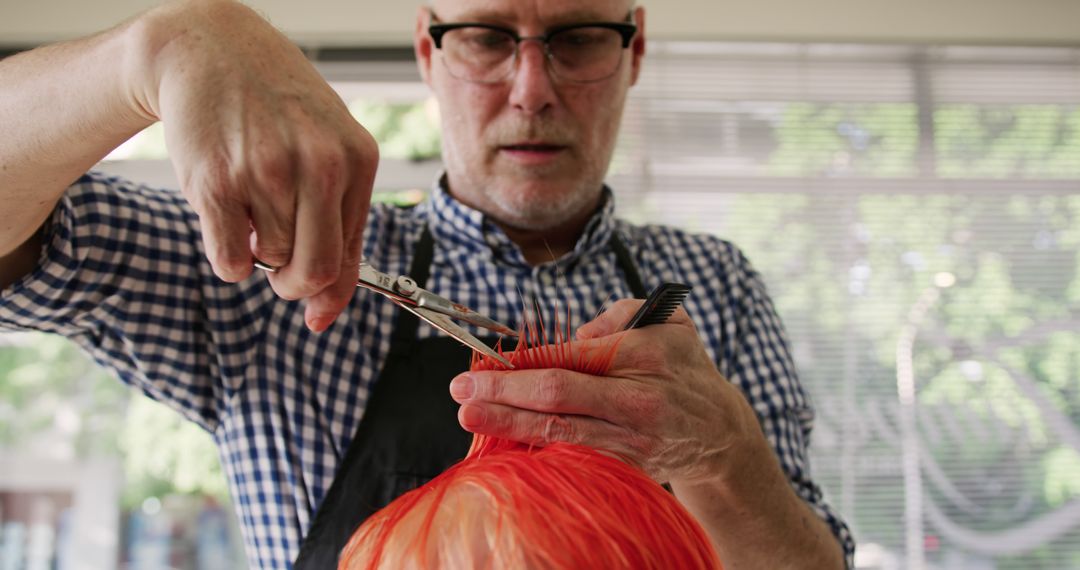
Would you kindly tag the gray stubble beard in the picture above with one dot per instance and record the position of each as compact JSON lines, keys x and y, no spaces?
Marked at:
{"x":537,"y":213}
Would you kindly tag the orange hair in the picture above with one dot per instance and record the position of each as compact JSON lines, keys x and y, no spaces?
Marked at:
{"x":513,"y":505}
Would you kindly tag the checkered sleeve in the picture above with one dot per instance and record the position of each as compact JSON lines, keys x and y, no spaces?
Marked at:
{"x":762,"y":366}
{"x":122,"y":274}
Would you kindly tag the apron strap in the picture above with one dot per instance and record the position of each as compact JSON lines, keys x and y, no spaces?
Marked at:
{"x":626,"y":263}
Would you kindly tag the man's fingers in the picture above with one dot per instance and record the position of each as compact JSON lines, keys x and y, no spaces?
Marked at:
{"x":318,"y":246}
{"x":273,"y":210}
{"x":324,"y":307}
{"x":290,"y":170}
{"x":614,"y":319}
{"x":541,"y":429}
{"x":610,"y":321}
{"x":225,"y":229}
{"x":619,"y":401}
{"x":351,"y":214}
{"x":245,"y":110}
{"x":538,"y":428}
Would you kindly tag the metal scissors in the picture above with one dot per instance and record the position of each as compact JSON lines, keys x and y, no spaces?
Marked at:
{"x":436,"y":310}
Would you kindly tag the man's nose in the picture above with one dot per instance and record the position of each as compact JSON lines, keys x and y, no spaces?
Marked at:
{"x":532,"y":89}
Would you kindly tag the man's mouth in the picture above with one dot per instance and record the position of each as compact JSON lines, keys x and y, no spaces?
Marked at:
{"x":533,"y":147}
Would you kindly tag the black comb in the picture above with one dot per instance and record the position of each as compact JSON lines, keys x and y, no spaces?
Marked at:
{"x":660,"y":305}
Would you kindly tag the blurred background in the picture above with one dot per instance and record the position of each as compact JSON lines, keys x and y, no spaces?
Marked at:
{"x":906,"y":175}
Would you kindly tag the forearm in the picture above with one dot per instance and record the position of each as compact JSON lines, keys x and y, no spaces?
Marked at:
{"x":756,"y":520}
{"x":62,"y":109}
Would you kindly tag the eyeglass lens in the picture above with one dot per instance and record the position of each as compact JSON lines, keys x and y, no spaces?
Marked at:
{"x":486,"y":55}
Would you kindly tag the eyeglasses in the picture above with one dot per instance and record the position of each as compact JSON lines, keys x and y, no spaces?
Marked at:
{"x":579,"y":53}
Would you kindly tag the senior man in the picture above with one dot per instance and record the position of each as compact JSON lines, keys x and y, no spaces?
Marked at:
{"x":328,"y":408}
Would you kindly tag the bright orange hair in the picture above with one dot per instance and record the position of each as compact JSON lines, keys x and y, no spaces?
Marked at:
{"x":513,"y":505}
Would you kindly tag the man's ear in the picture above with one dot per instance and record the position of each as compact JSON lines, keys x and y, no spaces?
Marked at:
{"x":637,"y":45}
{"x":423,"y":44}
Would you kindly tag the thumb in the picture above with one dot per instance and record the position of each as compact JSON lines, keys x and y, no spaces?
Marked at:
{"x":610,"y":321}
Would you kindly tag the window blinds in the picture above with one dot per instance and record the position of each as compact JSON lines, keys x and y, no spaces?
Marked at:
{"x":915,"y":212}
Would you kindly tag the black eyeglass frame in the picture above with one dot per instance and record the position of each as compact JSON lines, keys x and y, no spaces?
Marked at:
{"x":626,"y":30}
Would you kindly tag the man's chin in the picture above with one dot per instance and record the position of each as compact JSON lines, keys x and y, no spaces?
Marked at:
{"x":532,"y":223}
{"x":542,"y":211}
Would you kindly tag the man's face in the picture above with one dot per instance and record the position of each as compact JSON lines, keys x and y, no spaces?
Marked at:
{"x":530,"y":151}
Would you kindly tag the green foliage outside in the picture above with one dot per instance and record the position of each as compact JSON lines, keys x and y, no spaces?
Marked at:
{"x":53,"y":396}
{"x":1008,"y":459}
{"x":49,"y":392}
{"x":188,"y":464}
{"x":998,"y":357}
{"x":1027,"y":141}
{"x":877,"y":141}
{"x":403,"y":130}
{"x":970,"y":141}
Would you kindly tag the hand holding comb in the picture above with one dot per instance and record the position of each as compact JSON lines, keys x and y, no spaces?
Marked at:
{"x":659,"y":306}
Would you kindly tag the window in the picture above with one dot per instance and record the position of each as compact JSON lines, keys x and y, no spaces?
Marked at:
{"x":916,"y":214}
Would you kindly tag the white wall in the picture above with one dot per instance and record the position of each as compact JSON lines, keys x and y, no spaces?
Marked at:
{"x":379,"y":22}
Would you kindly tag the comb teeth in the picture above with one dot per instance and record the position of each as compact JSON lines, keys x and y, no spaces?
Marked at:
{"x":659,"y":306}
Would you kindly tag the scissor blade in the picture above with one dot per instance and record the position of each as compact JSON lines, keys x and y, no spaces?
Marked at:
{"x":403,"y":291}
{"x":431,"y":301}
{"x":443,"y":323}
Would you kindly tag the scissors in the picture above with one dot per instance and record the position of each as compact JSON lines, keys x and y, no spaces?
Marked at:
{"x":436,"y":310}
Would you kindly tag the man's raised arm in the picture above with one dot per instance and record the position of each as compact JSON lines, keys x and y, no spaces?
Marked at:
{"x":62,"y":108}
{"x":266,"y":153}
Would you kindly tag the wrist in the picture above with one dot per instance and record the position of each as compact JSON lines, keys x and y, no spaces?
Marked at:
{"x":749,"y":469}
{"x":744,"y":473}
{"x":157,"y":43}
{"x":145,"y":38}
{"x":754,"y":516}
{"x":740,"y":449}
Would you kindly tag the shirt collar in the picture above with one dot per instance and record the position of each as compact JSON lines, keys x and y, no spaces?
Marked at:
{"x":459,"y":228}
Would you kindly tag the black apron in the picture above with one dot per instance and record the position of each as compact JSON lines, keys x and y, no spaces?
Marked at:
{"x":409,"y":432}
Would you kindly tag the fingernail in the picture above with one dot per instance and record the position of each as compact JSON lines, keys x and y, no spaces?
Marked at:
{"x":320,"y":323}
{"x":462,"y":388}
{"x":472,"y":416}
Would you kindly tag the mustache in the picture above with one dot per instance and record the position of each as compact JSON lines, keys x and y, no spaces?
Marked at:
{"x":547,"y":132}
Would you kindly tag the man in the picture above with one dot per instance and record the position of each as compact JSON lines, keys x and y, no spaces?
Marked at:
{"x":315,"y":430}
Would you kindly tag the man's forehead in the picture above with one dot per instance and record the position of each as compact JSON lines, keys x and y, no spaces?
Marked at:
{"x":546,"y":12}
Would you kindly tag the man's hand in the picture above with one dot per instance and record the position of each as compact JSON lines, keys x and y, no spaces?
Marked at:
{"x":662,"y":405}
{"x":265,"y":151}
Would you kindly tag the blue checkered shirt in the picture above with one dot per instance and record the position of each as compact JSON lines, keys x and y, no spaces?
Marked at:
{"x":124,"y":275}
